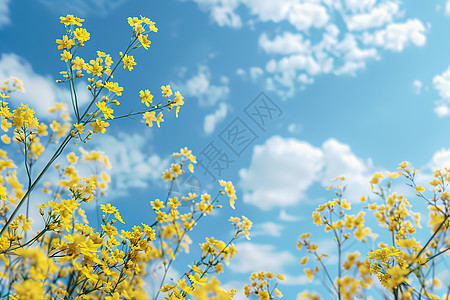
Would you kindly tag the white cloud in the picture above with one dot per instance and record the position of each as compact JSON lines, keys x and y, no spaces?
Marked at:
{"x":417,"y":84}
{"x":225,"y":16}
{"x":269,"y":10}
{"x":241,"y":72}
{"x":41,"y":92}
{"x":200,"y":86}
{"x":303,"y":78}
{"x":339,"y":160}
{"x":293,"y":57}
{"x":253,"y":257}
{"x":280,"y":172}
{"x":447,"y":8}
{"x":397,"y":36}
{"x":294,"y":127}
{"x":256,"y":73}
{"x":267,"y":229}
{"x":215,"y":118}
{"x":442,"y":110}
{"x":353,"y":56}
{"x":441,"y":83}
{"x":356,"y":6}
{"x":132,"y":166}
{"x":222,"y":11}
{"x":287,"y":43}
{"x":306,"y":15}
{"x":284,"y":216}
{"x":4,"y":13}
{"x":376,"y":17}
{"x":297,"y":280}
{"x":440,"y":160}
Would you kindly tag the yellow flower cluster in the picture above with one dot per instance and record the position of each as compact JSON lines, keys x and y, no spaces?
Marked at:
{"x":260,"y":285}
{"x":395,"y":264}
{"x":72,"y":257}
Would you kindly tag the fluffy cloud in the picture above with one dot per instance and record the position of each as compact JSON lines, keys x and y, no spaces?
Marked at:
{"x":222,"y":11}
{"x":440,"y":160}
{"x":441,"y":83}
{"x":132,"y":166}
{"x":286,"y":43}
{"x":41,"y":92}
{"x":213,"y":119}
{"x":417,"y":85}
{"x":357,"y":6}
{"x":4,"y":13}
{"x":256,"y":73}
{"x":253,"y":257}
{"x":442,"y":110}
{"x":306,"y":15}
{"x":293,"y":59}
{"x":267,"y":229}
{"x":396,"y":37}
{"x":339,"y":160}
{"x":284,"y":216}
{"x":282,"y":170}
{"x":294,"y":127}
{"x":200,"y":86}
{"x":383,"y":14}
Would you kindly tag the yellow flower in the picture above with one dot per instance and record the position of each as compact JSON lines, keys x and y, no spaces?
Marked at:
{"x":5,"y":124}
{"x":345,"y":204}
{"x":166,"y":91}
{"x":404,"y":166}
{"x":71,"y":20}
{"x":107,"y":112}
{"x":114,"y":87}
{"x":393,"y":175}
{"x":94,"y":68}
{"x":157,"y":204}
{"x":128,"y":62}
{"x":118,"y":217}
{"x":29,"y":289}
{"x":134,"y":21}
{"x":309,"y":273}
{"x":420,"y":189}
{"x":108,"y":209}
{"x":159,"y":119}
{"x":376,"y":178}
{"x":144,"y":41}
{"x":65,"y":43}
{"x":82,"y":35}
{"x":99,"y":125}
{"x":6,"y":139}
{"x":146,"y":96}
{"x":72,"y":158}
{"x":149,"y":118}
{"x":407,"y":243}
{"x":80,"y":127}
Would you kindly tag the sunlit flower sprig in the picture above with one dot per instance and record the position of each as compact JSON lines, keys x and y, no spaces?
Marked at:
{"x":73,"y":259}
{"x":261,"y":286}
{"x":406,"y":256}
{"x":174,"y":226}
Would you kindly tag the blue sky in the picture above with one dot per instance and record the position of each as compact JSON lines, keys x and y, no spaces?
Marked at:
{"x":361,"y":85}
